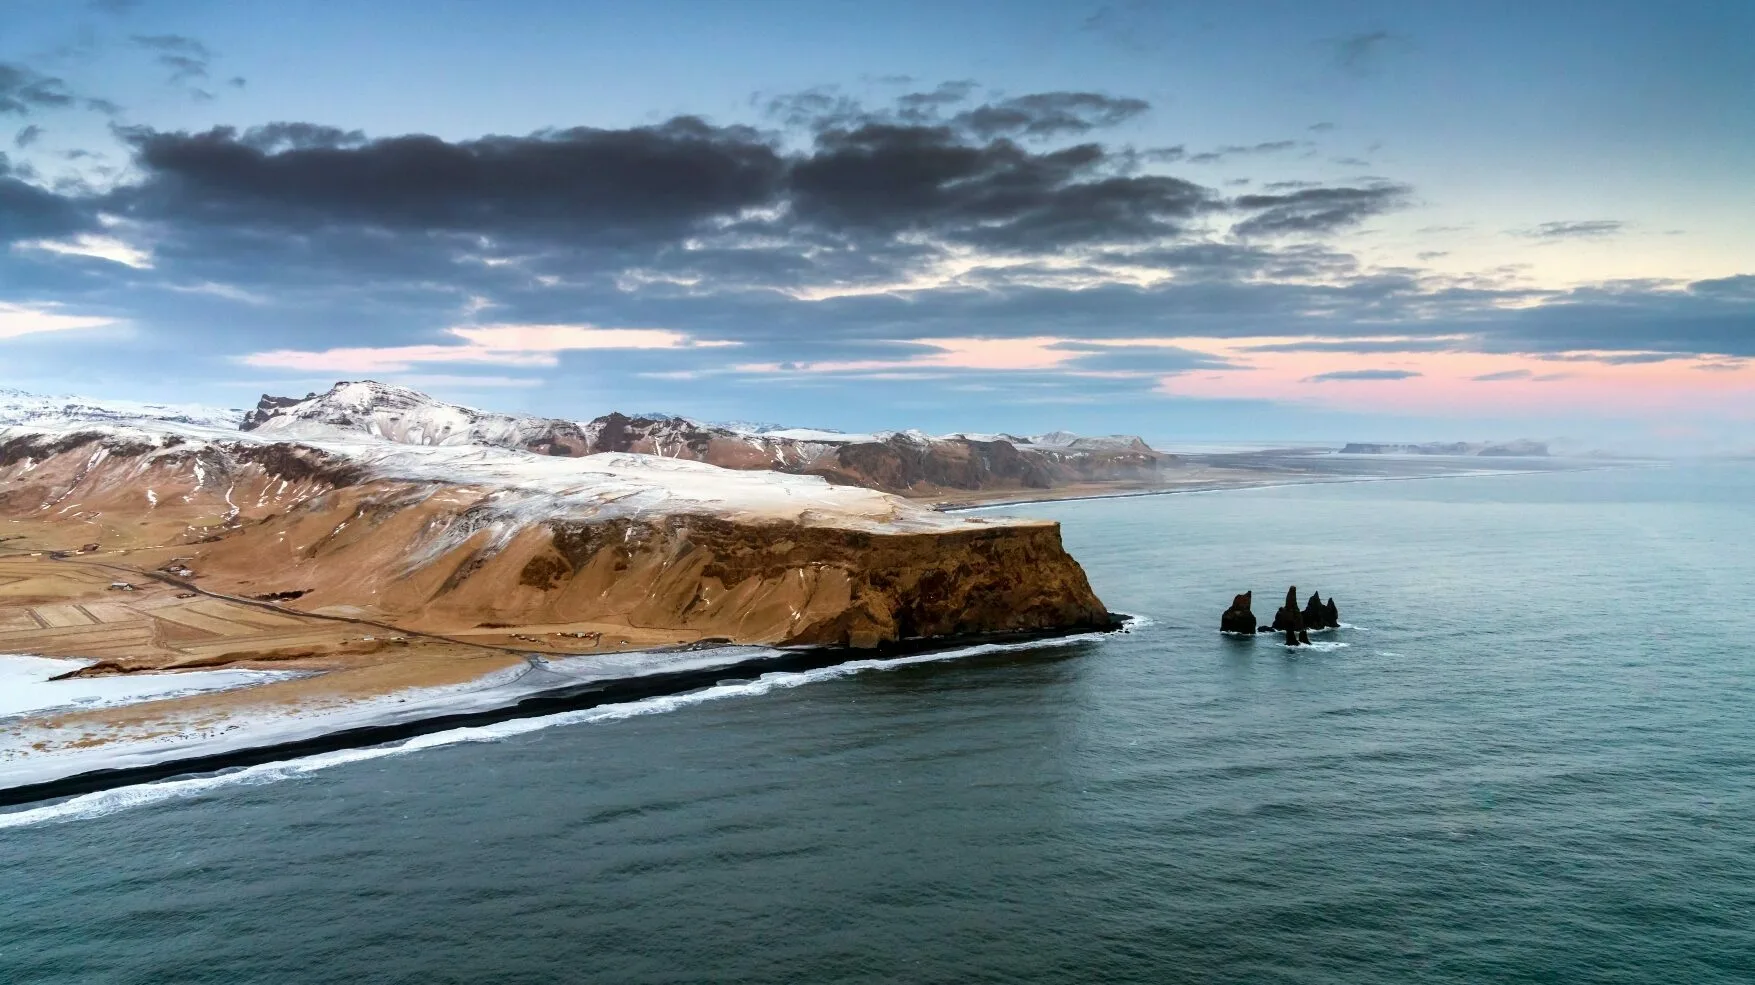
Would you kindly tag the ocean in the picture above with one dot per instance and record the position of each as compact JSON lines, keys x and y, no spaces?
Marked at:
{"x":1529,"y":757}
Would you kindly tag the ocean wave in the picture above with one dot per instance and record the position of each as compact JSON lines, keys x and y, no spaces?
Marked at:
{"x":105,"y":802}
{"x":1321,"y":646}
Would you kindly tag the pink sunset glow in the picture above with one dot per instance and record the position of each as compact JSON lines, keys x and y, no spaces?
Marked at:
{"x":1471,"y":383}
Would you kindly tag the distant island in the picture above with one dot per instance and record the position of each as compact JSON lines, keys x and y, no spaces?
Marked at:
{"x":1523,"y":447}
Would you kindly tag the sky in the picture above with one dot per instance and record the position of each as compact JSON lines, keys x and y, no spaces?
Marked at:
{"x":1195,"y":221}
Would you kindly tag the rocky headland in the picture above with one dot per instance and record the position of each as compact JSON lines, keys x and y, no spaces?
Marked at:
{"x":454,"y":540}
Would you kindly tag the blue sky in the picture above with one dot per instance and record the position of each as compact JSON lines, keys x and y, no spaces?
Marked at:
{"x":1268,"y":221}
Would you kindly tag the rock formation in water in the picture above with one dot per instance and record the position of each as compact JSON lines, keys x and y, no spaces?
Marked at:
{"x":1239,"y":619}
{"x":1321,"y":615}
{"x":1290,"y":620}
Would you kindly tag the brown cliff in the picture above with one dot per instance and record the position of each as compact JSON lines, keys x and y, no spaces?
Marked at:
{"x":489,"y":559}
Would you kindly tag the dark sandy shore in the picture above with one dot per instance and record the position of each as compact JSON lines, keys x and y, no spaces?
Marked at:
{"x":561,"y":694}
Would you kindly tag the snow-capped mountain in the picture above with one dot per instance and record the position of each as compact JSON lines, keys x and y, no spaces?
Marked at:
{"x":409,"y":417}
{"x":19,"y":407}
{"x":909,"y":462}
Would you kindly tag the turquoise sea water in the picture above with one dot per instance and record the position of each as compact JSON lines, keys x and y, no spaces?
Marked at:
{"x":1532,"y":761}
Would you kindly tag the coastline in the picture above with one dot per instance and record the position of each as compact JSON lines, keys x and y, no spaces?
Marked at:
{"x":236,"y":729}
{"x":543,"y":688}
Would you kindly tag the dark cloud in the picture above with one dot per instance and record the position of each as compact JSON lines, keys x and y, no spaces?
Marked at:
{"x":273,"y":138}
{"x":1317,"y":210}
{"x":1738,"y":287}
{"x":815,"y":109}
{"x":1035,"y":116}
{"x":718,"y":230}
{"x":1324,"y":127}
{"x":643,"y":183}
{"x":28,"y":211}
{"x":1509,"y":374}
{"x":24,"y":90}
{"x":1361,"y":374}
{"x":1614,"y":358}
{"x":1586,"y":229}
{"x":900,"y":178}
{"x":1238,"y":150}
{"x":26,"y":136}
{"x":1049,"y":114}
{"x":926,"y":104}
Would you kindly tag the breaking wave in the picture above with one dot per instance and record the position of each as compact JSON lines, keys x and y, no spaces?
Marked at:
{"x":106,"y":802}
{"x":1320,"y":646}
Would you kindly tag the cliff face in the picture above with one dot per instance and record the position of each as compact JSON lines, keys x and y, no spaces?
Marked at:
{"x":452,"y":540}
{"x":909,"y":463}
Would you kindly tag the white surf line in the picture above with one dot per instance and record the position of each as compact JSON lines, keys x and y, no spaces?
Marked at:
{"x":106,"y":802}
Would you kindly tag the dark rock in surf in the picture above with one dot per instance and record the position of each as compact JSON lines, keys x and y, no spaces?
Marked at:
{"x":1288,"y":616}
{"x":1321,"y":615}
{"x":1290,"y":620}
{"x":1238,"y":619}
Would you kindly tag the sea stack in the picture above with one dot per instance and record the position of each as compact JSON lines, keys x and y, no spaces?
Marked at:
{"x":1239,"y":619}
{"x":1321,"y":615}
{"x":1291,"y":621}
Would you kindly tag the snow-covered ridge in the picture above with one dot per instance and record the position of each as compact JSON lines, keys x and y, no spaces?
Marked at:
{"x":19,"y":407}
{"x":599,"y":486}
{"x":400,"y":414}
{"x":912,"y":462}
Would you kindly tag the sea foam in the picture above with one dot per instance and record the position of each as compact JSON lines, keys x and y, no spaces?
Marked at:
{"x":106,"y":802}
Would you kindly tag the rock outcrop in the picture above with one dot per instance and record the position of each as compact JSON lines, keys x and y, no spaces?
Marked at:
{"x":1321,"y":615}
{"x":1239,"y":619}
{"x":1290,"y":620}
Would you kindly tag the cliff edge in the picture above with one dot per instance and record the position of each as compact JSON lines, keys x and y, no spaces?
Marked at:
{"x":501,"y":547}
